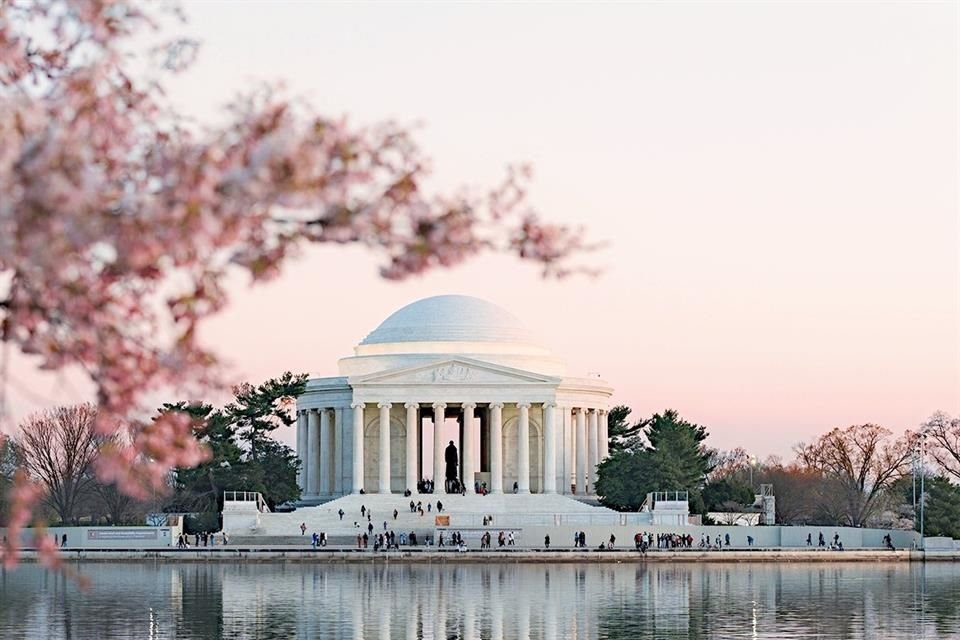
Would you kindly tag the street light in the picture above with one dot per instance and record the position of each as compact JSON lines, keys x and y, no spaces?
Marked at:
{"x":923,"y":442}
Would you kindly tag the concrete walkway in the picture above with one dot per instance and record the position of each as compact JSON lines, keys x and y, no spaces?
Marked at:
{"x":299,"y":554}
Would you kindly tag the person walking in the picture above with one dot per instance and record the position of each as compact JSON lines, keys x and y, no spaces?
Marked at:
{"x":613,"y":539}
{"x":340,"y":513}
{"x":546,"y":541}
{"x":303,"y":528}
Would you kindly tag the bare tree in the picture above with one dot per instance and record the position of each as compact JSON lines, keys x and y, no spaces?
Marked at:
{"x":859,"y":463}
{"x":117,"y":505}
{"x":8,"y":466}
{"x":729,"y":464}
{"x":57,"y":447}
{"x":944,"y":436}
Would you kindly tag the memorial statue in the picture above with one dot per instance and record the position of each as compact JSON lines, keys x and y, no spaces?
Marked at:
{"x":452,"y":459}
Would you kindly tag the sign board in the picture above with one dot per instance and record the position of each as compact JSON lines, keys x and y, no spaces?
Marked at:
{"x":122,"y":534}
{"x":441,"y":521}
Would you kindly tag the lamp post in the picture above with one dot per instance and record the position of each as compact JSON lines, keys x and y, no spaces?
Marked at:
{"x":923,"y":442}
{"x":914,"y":463}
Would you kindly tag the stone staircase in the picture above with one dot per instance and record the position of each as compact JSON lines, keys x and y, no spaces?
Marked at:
{"x":462,"y":512}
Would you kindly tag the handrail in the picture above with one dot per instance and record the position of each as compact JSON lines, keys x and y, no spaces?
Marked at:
{"x":247,"y":496}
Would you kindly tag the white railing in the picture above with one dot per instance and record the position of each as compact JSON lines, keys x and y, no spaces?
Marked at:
{"x":615,"y":519}
{"x":246,"y":496}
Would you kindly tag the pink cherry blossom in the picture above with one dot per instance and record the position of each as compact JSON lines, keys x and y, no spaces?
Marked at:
{"x":120,"y":220}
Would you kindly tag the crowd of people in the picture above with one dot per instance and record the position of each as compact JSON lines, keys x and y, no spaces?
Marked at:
{"x":643,"y":541}
{"x":836,"y":544}
{"x":205,"y":539}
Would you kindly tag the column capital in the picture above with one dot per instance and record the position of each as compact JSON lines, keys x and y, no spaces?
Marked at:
{"x":549,"y":405}
{"x":411,"y":405}
{"x":384,"y":405}
{"x":439,"y":405}
{"x":357,"y":404}
{"x":592,"y":410}
{"x":472,"y":405}
{"x":496,"y":405}
{"x":523,"y":405}
{"x":314,"y":409}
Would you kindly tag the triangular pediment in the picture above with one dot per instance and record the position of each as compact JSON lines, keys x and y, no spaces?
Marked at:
{"x":454,"y":371}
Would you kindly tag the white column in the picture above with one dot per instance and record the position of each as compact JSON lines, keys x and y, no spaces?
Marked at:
{"x":594,"y":450}
{"x":496,"y":447}
{"x":580,"y":430}
{"x":302,"y":451}
{"x":567,"y":471}
{"x":338,"y":432}
{"x":604,"y":434}
{"x":326,"y":449}
{"x":549,"y":448}
{"x":523,"y":448}
{"x":469,"y":468}
{"x":313,"y":453}
{"x":384,"y":447}
{"x":357,"y":447}
{"x":438,"y":465}
{"x":412,"y":428}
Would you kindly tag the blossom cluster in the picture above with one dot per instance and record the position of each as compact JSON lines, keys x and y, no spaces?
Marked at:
{"x":120,"y":219}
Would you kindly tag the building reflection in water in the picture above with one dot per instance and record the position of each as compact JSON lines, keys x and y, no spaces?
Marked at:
{"x":480,"y":601}
{"x":583,"y":602}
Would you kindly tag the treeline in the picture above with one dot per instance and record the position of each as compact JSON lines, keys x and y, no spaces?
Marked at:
{"x":59,"y":449}
{"x":861,"y":475}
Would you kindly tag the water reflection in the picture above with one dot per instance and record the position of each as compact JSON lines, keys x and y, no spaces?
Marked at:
{"x":497,"y":601}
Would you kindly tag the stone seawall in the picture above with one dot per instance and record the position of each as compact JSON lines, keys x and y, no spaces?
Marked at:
{"x":429,"y":555}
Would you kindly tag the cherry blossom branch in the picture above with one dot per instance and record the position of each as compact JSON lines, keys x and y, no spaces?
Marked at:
{"x":120,"y":220}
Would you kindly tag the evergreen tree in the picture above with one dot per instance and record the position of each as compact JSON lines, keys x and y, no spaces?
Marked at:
{"x":942,"y":509}
{"x":674,"y":459}
{"x":244,"y":456}
{"x":725,"y":493}
{"x":258,"y":411}
{"x":620,"y":433}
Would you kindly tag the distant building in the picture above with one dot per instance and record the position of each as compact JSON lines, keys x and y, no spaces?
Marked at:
{"x":524,"y":425}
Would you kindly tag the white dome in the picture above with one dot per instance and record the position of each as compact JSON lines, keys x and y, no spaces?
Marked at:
{"x":450,"y":318}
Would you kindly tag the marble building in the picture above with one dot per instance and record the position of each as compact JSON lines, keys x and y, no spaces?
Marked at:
{"x":447,"y":365}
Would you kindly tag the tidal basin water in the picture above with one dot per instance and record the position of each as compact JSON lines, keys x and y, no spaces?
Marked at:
{"x":497,"y":601}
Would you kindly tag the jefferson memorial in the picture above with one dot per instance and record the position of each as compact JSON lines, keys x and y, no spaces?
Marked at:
{"x":446,"y":374}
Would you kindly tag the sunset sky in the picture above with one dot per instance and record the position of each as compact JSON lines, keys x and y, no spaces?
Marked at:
{"x":777,"y":185}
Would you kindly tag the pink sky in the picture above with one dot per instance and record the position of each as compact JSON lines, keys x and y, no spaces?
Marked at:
{"x":778,"y":184}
